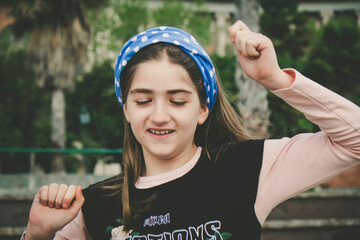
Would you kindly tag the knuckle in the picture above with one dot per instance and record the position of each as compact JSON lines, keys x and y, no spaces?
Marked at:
{"x":67,"y":200}
{"x":54,"y":185}
{"x":267,"y":39}
{"x":43,"y":191}
{"x":238,"y":36}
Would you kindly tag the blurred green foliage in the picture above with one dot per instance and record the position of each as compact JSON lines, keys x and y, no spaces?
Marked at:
{"x":125,"y":18}
{"x":195,"y":20}
{"x":226,"y":67}
{"x":291,"y":33}
{"x":95,"y":92}
{"x":122,"y":19}
{"x":329,"y":55}
{"x":334,"y":57}
{"x":24,"y":108}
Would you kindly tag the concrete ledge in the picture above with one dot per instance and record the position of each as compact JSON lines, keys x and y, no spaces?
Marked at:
{"x":11,"y":231}
{"x":329,"y":6}
{"x":310,"y":223}
{"x":330,"y":193}
{"x":25,"y":186}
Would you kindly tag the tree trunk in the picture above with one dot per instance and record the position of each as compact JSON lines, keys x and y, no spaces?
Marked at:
{"x":5,"y":19}
{"x":58,"y":129}
{"x":253,"y":104}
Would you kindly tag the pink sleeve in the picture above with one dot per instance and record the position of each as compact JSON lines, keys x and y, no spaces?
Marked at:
{"x":293,"y":165}
{"x":76,"y":229}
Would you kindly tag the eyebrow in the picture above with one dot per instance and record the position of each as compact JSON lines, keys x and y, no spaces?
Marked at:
{"x":175,"y":91}
{"x":148,"y":91}
{"x":141,"y":90}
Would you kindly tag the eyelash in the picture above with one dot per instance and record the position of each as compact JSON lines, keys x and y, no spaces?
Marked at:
{"x":178,"y":103}
{"x":143,"y":102}
{"x":148,"y":101}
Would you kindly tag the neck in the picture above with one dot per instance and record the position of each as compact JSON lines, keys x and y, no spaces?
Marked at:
{"x":156,"y":166}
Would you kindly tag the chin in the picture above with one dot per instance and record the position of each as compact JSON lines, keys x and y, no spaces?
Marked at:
{"x":163,"y":155}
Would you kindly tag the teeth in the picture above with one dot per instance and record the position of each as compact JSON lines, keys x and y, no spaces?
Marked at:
{"x":160,"y":132}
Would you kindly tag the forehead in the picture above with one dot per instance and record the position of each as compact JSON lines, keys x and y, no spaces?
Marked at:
{"x":161,"y":74}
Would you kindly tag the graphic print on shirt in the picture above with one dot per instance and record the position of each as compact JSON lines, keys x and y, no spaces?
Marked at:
{"x":157,"y":220}
{"x":208,"y":231}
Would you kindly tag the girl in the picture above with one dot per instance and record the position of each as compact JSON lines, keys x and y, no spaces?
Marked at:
{"x":190,"y":170}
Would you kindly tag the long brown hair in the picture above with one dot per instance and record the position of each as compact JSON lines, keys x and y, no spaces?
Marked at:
{"x":222,"y":127}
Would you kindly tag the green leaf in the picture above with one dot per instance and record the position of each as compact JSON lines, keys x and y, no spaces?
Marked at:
{"x":108,"y":229}
{"x":226,"y":235}
{"x":135,"y":234}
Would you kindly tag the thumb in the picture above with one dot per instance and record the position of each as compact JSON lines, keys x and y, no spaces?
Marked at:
{"x":78,"y":201}
{"x":37,"y":198}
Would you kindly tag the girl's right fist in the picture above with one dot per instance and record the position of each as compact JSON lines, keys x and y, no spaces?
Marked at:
{"x":54,"y":206}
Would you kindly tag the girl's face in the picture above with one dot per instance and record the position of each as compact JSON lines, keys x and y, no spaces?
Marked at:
{"x":163,"y":109}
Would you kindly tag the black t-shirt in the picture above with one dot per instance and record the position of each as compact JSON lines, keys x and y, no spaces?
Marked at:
{"x":211,"y":201}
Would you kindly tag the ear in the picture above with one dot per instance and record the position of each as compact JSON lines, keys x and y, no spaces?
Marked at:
{"x":204,"y":113}
{"x":126,"y":113}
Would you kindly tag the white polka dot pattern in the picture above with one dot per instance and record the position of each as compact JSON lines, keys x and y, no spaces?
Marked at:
{"x":175,"y":36}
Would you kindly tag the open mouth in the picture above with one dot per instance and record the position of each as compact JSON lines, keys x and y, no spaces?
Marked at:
{"x":160,"y":132}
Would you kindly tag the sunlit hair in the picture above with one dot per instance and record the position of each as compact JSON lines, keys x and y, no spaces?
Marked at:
{"x":221,"y":128}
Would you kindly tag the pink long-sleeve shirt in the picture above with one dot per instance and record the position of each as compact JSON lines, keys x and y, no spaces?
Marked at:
{"x":290,"y":165}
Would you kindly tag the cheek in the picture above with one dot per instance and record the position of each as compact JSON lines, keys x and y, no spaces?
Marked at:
{"x":189,"y":119}
{"x":133,"y":114}
{"x":136,"y":119}
{"x":136,"y":129}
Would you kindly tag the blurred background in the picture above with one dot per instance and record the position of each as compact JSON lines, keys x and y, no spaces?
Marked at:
{"x":60,"y":120}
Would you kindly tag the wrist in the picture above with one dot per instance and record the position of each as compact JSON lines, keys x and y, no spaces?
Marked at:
{"x":33,"y":232}
{"x":282,"y":79}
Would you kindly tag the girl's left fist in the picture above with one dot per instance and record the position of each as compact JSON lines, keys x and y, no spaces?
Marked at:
{"x":257,"y":57}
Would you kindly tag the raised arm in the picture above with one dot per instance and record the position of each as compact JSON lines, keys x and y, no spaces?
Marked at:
{"x":293,"y":165}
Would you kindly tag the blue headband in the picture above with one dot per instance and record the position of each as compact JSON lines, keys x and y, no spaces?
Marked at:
{"x":175,"y":36}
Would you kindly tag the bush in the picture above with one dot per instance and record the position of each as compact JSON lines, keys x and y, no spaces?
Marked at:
{"x":334,"y":57}
{"x":24,"y":108}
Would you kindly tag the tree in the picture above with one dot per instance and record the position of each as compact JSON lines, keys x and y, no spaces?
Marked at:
{"x":125,"y":18}
{"x":193,"y":18}
{"x":23,"y":106}
{"x":334,"y":57}
{"x":291,"y":33}
{"x":96,"y":93}
{"x":5,"y":18}
{"x":57,"y":51}
{"x":253,"y":104}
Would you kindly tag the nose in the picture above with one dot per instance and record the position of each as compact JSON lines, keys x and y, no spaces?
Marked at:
{"x":160,"y":114}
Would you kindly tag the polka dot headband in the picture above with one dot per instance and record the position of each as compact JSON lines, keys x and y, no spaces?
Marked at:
{"x":175,"y":36}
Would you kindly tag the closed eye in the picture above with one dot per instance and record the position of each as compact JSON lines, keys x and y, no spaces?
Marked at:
{"x":178,"y":103}
{"x":143,"y":102}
